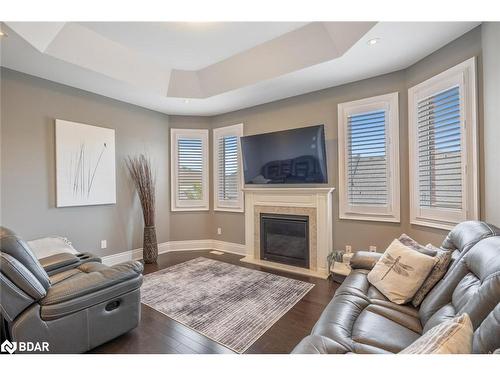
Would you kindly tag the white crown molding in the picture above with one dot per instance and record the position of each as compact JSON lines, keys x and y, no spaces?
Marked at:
{"x":171,"y":246}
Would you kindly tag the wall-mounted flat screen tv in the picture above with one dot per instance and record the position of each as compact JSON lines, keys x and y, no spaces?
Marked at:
{"x":296,"y":156}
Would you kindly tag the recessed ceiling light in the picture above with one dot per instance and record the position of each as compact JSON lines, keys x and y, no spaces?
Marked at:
{"x":373,"y":41}
{"x":186,"y":101}
{"x":2,"y":33}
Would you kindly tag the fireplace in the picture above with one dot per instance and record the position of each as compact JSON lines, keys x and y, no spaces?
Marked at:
{"x":285,"y":239}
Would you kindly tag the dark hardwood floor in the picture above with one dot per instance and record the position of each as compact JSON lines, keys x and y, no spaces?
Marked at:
{"x":157,"y":333}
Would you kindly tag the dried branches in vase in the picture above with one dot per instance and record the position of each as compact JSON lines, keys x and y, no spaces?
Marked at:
{"x":144,"y":179}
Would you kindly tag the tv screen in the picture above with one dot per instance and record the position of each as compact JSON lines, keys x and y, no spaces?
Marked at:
{"x":295,"y":156}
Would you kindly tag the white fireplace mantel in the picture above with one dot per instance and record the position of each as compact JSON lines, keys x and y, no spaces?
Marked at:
{"x":315,"y":201}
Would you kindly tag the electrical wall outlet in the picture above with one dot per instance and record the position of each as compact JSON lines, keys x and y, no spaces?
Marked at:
{"x":104,"y":244}
{"x":373,"y":248}
{"x":219,"y":230}
{"x":348,"y":249}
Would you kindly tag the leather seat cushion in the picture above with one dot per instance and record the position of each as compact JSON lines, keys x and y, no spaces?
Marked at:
{"x":360,"y":319}
{"x":357,"y":284}
{"x":386,"y":329}
{"x":90,"y":278}
{"x":318,"y":345}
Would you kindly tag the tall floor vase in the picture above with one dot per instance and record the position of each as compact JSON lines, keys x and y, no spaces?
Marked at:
{"x":150,"y":245}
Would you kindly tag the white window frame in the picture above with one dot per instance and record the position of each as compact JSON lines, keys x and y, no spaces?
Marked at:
{"x":218,"y":133}
{"x":391,"y":212}
{"x":195,"y":205}
{"x":464,"y":76}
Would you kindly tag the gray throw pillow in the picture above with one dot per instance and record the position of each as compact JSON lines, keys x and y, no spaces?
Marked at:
{"x":443,"y":259}
{"x":412,"y":244}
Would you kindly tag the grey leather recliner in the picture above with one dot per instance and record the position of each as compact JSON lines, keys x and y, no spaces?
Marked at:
{"x":81,"y":305}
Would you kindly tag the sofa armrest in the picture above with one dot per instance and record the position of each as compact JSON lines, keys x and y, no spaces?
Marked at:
{"x":315,"y":344}
{"x":65,"y":261}
{"x":61,"y":260}
{"x":364,"y":259}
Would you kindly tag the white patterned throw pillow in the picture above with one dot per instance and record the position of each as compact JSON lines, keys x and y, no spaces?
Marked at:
{"x":400,"y":272}
{"x":453,"y":336}
{"x":47,"y":246}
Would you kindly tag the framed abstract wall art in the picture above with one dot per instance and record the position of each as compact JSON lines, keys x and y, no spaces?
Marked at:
{"x":85,"y":164}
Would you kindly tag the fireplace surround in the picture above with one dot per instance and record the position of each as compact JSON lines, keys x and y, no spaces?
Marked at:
{"x":314,"y":203}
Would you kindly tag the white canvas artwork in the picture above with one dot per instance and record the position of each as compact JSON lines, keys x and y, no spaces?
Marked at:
{"x":85,"y":164}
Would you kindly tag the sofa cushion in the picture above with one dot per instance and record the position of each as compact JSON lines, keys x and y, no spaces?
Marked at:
{"x":16,"y":247}
{"x":400,"y":272}
{"x":472,"y":287}
{"x":394,"y":330}
{"x":90,"y":278}
{"x":355,"y":306}
{"x":464,"y":236}
{"x":485,"y":340}
{"x":318,"y":345}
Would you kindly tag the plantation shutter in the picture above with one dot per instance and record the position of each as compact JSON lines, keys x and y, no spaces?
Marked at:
{"x":439,"y":150}
{"x":367,"y":164}
{"x":228,"y":194}
{"x":190,"y":169}
{"x":227,"y":164}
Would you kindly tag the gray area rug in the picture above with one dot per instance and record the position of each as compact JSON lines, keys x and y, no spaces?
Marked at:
{"x":229,"y":304}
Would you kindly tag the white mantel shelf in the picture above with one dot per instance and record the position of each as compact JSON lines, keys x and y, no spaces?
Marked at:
{"x":304,"y":190}
{"x":316,"y":201}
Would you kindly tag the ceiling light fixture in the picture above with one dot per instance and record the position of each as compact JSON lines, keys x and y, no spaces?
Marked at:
{"x":186,"y":101}
{"x":373,"y":41}
{"x":2,"y":33}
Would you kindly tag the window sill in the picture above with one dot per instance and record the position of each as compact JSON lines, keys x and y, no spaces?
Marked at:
{"x":433,"y":224}
{"x":367,"y":217}
{"x":178,"y":209}
{"x":224,"y":209}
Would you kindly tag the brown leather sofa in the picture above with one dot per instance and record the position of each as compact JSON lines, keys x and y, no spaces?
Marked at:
{"x":359,"y":319}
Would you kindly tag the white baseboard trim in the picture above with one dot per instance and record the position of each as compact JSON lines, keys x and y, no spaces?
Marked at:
{"x":170,"y":246}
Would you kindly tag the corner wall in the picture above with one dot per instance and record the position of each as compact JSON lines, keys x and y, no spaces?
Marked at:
{"x":29,"y":106}
{"x":491,"y":74}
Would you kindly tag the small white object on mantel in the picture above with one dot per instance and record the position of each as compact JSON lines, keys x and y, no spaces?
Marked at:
{"x":340,"y":268}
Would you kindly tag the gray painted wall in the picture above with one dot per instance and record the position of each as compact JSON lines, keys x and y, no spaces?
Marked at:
{"x":29,"y":107}
{"x":491,"y":74}
{"x":321,"y":108}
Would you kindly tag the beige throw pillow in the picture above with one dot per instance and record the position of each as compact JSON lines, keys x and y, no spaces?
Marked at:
{"x":453,"y":336}
{"x":400,"y":272}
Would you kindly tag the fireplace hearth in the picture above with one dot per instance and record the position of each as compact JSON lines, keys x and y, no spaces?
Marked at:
{"x":285,"y":239}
